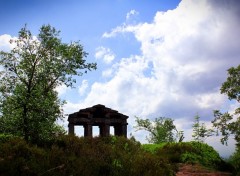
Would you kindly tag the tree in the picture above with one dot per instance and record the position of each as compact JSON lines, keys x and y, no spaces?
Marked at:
{"x":200,"y":131}
{"x":30,"y":73}
{"x":227,"y":123}
{"x":161,"y":130}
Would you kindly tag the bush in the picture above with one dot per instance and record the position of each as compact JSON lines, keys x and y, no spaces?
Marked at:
{"x":234,"y":160}
{"x":189,"y":152}
{"x":5,"y":137}
{"x":19,"y":158}
{"x":147,"y":164}
{"x":71,"y":155}
{"x":205,"y":155}
{"x":152,"y":147}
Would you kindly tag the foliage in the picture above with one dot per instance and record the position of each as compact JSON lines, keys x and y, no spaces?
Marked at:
{"x":31,"y":71}
{"x":161,"y":130}
{"x":152,"y":147}
{"x":228,"y":123}
{"x":231,"y":87}
{"x":224,"y":124}
{"x":115,"y":156}
{"x":200,"y":131}
{"x":189,"y":152}
{"x":5,"y":137}
{"x":70,"y":155}
{"x":203,"y":154}
{"x":234,"y":160}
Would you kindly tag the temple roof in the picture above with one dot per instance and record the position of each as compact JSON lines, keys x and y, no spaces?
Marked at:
{"x":98,"y":111}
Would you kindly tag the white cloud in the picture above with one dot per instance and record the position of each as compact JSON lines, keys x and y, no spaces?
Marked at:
{"x":209,"y":100}
{"x":107,"y":73}
{"x":5,"y":44}
{"x":120,"y":29}
{"x":188,"y":66}
{"x":62,"y":89}
{"x":185,"y":55}
{"x":105,"y":54}
{"x":131,"y":13}
{"x":83,"y":87}
{"x":128,"y":26}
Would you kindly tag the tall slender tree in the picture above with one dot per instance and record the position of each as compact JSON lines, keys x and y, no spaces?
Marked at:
{"x":30,"y":73}
{"x":200,"y":131}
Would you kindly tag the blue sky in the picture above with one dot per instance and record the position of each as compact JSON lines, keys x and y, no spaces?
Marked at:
{"x":155,"y":58}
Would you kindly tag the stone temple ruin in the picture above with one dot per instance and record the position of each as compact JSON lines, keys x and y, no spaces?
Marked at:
{"x":101,"y":116}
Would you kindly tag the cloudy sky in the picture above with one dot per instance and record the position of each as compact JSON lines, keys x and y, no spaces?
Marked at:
{"x":155,"y":58}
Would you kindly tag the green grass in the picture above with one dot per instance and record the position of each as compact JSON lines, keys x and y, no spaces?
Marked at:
{"x":152,"y":147}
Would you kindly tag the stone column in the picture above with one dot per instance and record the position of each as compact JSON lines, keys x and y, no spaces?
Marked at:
{"x":117,"y":130}
{"x":104,"y":130}
{"x":71,"y":128}
{"x":120,"y":130}
{"x":124,"y":130}
{"x":87,"y":130}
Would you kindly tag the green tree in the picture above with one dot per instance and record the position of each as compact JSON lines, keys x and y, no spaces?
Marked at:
{"x":229,"y":124}
{"x":161,"y":130}
{"x":200,"y":131}
{"x":30,"y":73}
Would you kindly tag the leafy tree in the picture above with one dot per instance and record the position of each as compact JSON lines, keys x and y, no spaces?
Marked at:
{"x":30,"y":73}
{"x":200,"y":131}
{"x":228,"y":123}
{"x":234,"y":160}
{"x":161,"y":130}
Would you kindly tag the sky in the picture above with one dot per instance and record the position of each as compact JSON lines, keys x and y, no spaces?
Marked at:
{"x":155,"y":58}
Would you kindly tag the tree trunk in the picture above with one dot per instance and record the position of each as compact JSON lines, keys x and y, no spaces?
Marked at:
{"x":25,"y":124}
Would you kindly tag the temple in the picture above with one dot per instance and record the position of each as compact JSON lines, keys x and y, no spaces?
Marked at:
{"x":101,"y":116}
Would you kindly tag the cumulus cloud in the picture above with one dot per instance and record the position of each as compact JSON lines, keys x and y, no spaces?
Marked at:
{"x":83,"y":87}
{"x":105,"y":54}
{"x":190,"y":49}
{"x":5,"y":44}
{"x":62,"y":89}
{"x":185,"y":53}
{"x":107,"y":73}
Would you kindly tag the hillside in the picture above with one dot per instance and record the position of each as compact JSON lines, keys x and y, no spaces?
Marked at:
{"x":115,"y":156}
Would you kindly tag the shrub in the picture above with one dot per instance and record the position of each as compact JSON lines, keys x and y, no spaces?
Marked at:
{"x":173,"y":151}
{"x":19,"y":158}
{"x":188,"y":152}
{"x":71,"y":155}
{"x":234,"y":160}
{"x":152,"y":147}
{"x":5,"y":137}
{"x":148,"y":164}
{"x":206,"y":154}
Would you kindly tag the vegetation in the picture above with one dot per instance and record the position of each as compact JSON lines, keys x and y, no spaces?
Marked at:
{"x":161,"y":130}
{"x":31,"y":143}
{"x":226,"y":123}
{"x":234,"y":160}
{"x":70,"y":155}
{"x":189,"y":152}
{"x":152,"y":147}
{"x":200,"y":131}
{"x":29,"y":104}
